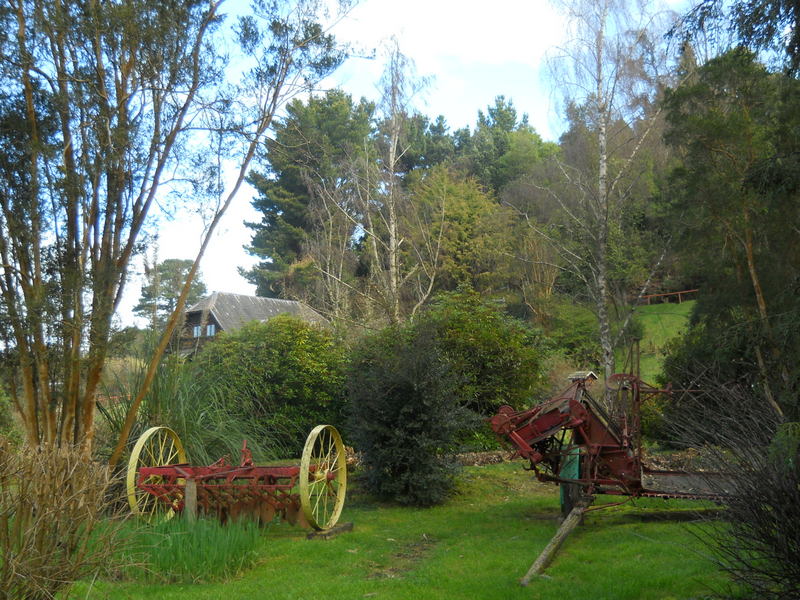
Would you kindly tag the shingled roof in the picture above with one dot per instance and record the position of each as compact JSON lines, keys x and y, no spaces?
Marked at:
{"x":232,"y":311}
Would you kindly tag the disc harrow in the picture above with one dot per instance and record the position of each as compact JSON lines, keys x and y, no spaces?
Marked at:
{"x":160,"y":483}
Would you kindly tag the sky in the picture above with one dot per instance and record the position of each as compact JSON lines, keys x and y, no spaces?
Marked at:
{"x":471,"y":50}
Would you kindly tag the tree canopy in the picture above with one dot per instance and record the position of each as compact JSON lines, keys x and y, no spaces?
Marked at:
{"x":163,"y":284}
{"x":99,"y":105}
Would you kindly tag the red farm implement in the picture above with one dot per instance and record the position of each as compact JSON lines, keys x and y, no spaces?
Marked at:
{"x":159,"y":481}
{"x":570,"y":439}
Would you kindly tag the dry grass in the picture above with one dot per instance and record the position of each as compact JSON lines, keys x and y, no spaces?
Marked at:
{"x":53,"y":529}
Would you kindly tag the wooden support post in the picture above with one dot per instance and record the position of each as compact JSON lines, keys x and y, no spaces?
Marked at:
{"x":549,"y":552}
{"x":330,"y":533}
{"x":190,"y":500}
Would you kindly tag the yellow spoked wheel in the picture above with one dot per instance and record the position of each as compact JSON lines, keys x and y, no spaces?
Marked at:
{"x":158,"y":446}
{"x":323,"y":477}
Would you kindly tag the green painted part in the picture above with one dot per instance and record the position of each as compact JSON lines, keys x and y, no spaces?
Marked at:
{"x":569,"y":470}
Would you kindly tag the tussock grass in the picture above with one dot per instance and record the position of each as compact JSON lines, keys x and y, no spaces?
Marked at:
{"x":175,"y":551}
{"x":55,"y":526}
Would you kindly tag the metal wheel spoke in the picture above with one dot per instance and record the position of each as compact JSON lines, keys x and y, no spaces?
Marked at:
{"x":174,"y":454}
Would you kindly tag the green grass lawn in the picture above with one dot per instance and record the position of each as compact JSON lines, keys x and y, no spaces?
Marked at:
{"x":661,"y":322}
{"x":477,"y":545}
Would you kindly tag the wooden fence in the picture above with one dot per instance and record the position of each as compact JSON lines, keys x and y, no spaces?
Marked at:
{"x":681,"y":296}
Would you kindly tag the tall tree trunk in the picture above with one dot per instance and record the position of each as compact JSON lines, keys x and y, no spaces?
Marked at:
{"x":602,"y":216}
{"x":762,"y":312}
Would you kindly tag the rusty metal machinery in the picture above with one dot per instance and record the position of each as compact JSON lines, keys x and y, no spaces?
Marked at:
{"x":571,"y":425}
{"x":311,"y":494}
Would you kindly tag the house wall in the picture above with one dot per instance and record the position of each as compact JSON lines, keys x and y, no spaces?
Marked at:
{"x":192,"y":338}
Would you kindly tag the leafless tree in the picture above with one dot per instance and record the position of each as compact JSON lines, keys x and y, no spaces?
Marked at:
{"x":400,"y":236}
{"x":754,"y":458}
{"x":612,"y":72}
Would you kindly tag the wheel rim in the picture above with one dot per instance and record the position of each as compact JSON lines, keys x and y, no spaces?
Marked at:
{"x":323,"y":477}
{"x":158,"y":446}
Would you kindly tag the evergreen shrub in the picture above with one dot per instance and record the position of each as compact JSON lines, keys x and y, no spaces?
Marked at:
{"x":497,"y":359}
{"x":419,"y":392}
{"x":404,"y":415}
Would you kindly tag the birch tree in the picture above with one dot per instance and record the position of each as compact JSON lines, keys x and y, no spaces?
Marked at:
{"x":400,"y":247}
{"x":612,"y":72}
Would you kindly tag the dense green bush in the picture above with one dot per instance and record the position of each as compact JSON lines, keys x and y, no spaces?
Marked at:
{"x":496,"y":359}
{"x":419,"y":392}
{"x":285,"y":375}
{"x":404,"y":414}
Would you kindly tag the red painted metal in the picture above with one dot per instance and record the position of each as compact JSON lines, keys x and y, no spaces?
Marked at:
{"x":610,"y":449}
{"x":227,"y":490}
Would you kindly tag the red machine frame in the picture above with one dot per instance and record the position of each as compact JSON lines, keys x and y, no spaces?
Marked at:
{"x":609,"y":450}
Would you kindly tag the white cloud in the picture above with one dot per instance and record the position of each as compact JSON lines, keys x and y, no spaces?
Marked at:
{"x":473,"y":50}
{"x":470,"y":30}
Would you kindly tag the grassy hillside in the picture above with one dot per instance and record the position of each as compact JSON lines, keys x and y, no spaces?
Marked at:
{"x":661,"y":323}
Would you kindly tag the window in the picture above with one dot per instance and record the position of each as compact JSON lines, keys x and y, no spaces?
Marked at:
{"x":197,"y":330}
{"x":211,"y":329}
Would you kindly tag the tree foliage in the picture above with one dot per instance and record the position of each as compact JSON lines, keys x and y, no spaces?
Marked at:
{"x":768,"y":26}
{"x":163,"y":283}
{"x":368,"y":211}
{"x":496,"y":359}
{"x":734,"y":191}
{"x":311,"y":143}
{"x":92,"y":111}
{"x":612,"y":70}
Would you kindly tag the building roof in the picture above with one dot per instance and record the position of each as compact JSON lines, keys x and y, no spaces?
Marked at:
{"x":231,"y":311}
